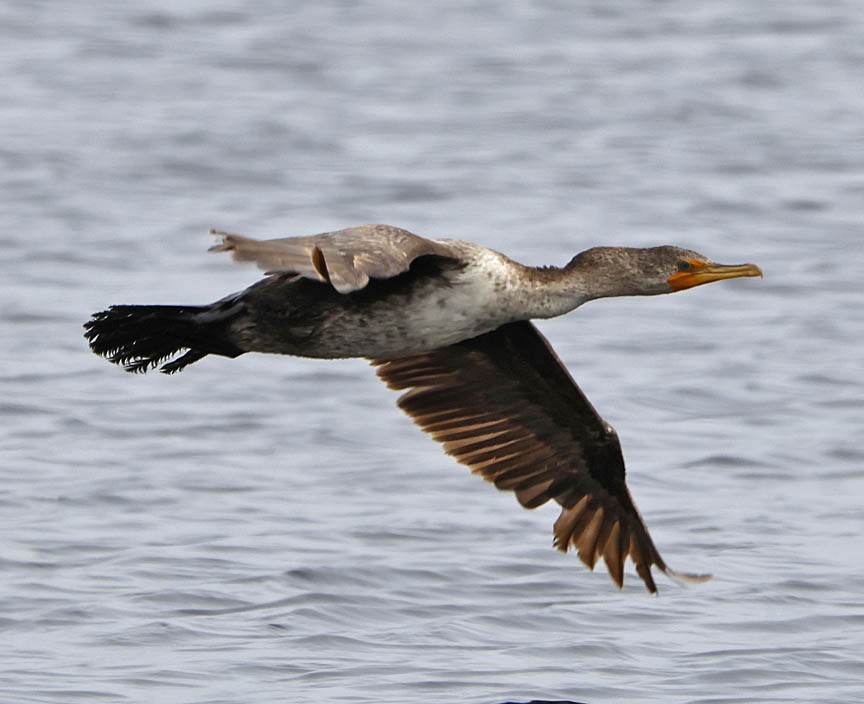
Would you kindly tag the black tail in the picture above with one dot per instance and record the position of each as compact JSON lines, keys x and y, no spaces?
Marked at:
{"x":142,"y":337}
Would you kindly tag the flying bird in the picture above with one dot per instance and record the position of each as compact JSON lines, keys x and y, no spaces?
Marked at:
{"x":447,"y":322}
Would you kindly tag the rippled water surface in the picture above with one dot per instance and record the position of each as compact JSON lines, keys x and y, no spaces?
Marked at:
{"x":272,"y":529}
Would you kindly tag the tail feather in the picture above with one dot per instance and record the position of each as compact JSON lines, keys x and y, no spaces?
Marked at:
{"x":140,"y":338}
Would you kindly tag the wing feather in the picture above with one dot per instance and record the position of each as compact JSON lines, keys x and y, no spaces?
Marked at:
{"x":346,"y":259}
{"x":504,"y":405}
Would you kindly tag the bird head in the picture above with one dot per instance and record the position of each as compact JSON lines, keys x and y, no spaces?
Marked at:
{"x":646,"y":271}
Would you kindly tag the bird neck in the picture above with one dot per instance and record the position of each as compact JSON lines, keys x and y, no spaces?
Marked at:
{"x":552,"y":291}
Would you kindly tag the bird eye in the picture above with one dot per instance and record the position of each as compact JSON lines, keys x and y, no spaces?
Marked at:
{"x":683,"y":265}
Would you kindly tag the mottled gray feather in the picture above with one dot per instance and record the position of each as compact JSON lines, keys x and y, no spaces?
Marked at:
{"x":346,"y":259}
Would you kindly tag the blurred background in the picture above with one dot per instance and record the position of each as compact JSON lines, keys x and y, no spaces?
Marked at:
{"x":272,"y":529}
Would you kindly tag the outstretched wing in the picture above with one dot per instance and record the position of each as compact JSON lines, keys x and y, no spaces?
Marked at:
{"x":346,"y":259}
{"x":504,"y":405}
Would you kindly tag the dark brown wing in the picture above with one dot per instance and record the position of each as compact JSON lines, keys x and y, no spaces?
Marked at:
{"x":504,"y":405}
{"x":346,"y":259}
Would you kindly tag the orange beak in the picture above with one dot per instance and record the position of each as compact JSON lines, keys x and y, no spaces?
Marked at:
{"x":705,"y":272}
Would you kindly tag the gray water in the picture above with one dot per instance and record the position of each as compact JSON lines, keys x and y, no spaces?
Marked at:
{"x":271,"y":529}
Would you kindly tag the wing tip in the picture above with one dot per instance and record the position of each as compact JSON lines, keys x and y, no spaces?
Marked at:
{"x":226,"y":245}
{"x":688,"y":577}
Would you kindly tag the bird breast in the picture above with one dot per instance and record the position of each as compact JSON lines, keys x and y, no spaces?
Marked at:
{"x":436,"y":312}
{"x":451,"y":303}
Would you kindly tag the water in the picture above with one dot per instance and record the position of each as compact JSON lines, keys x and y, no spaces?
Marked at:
{"x":271,"y":529}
